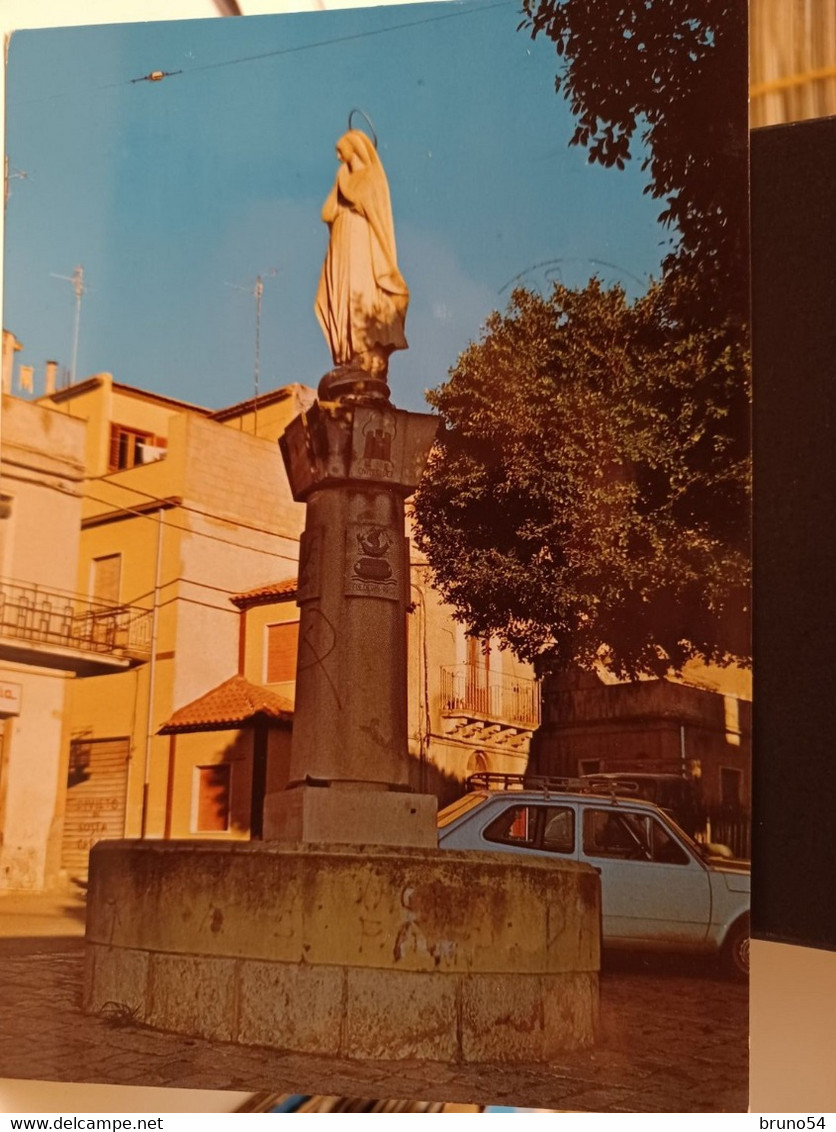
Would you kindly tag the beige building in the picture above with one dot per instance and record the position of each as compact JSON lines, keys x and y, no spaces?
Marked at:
{"x":179,"y":513}
{"x":472,"y":706}
{"x":698,"y":727}
{"x":182,"y":520}
{"x":52,"y":639}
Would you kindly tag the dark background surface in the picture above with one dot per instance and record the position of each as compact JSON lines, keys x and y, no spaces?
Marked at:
{"x":794,"y":344}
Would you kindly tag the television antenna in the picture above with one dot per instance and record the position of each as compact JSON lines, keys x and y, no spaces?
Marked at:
{"x":77,"y":280}
{"x":256,"y":290}
{"x":10,"y":174}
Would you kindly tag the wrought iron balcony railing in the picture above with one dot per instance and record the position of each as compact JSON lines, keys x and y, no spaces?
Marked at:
{"x":468,"y":689}
{"x":59,"y":619}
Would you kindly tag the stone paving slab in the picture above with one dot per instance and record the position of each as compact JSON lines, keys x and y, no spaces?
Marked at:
{"x":673,"y":1039}
{"x":44,"y":915}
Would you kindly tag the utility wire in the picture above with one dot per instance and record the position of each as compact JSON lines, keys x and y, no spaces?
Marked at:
{"x":345,"y":38}
{"x":157,"y":76}
{"x":152,"y":517}
{"x":180,"y":507}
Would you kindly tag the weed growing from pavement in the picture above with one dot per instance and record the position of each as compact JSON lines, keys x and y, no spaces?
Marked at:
{"x":121,"y":1014}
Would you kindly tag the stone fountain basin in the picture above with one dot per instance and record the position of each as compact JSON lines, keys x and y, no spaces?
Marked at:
{"x":353,"y":951}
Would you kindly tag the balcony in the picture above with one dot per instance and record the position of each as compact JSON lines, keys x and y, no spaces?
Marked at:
{"x":489,"y":707}
{"x":58,"y":629}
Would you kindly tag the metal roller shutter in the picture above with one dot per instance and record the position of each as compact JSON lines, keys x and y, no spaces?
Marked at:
{"x":97,"y":784}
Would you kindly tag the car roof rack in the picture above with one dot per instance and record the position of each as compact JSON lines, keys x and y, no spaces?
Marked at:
{"x":546,"y":784}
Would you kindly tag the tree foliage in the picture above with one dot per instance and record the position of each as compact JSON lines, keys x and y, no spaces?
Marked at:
{"x":675,"y":71}
{"x":588,"y":498}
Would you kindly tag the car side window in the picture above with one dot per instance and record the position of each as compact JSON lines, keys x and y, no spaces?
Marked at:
{"x":607,"y":833}
{"x":663,"y":847}
{"x":634,"y":837}
{"x":514,"y":826}
{"x":558,"y":829}
{"x":550,"y":828}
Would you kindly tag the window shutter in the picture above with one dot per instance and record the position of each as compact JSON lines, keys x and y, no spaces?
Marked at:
{"x":107,"y":574}
{"x":113,"y":460}
{"x":213,"y":790}
{"x":282,"y":643}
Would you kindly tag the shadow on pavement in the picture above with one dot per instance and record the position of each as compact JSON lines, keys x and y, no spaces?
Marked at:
{"x":40,"y":944}
{"x":657,"y":965}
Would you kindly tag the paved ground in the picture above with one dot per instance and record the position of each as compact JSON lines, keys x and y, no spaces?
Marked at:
{"x":673,"y":1039}
{"x":57,"y":914}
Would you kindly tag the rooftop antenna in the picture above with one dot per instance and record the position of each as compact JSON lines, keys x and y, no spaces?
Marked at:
{"x":77,"y":280}
{"x":10,"y":174}
{"x":256,"y":290}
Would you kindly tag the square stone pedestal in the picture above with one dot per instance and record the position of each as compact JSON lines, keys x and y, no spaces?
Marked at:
{"x":348,"y":816}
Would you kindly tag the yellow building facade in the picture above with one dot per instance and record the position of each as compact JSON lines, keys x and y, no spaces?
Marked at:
{"x":179,"y":513}
{"x":184,"y":517}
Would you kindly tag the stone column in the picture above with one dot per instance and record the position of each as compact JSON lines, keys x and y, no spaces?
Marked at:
{"x":353,"y":459}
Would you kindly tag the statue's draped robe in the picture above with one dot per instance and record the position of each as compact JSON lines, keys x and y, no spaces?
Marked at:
{"x":362,"y":298}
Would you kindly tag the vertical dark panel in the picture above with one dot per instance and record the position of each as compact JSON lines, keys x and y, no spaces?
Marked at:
{"x":794,"y":341}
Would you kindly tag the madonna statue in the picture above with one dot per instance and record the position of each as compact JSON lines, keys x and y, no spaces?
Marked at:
{"x":362,"y":298}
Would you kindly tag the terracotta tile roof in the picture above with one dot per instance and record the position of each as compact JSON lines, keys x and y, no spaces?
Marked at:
{"x":264,"y":595}
{"x":231,"y":704}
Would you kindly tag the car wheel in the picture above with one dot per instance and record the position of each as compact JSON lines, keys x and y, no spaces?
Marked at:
{"x":736,"y":950}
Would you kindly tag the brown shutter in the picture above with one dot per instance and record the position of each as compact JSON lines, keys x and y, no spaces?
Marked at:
{"x":282,"y":643}
{"x":113,"y":461}
{"x":213,"y":798}
{"x":107,"y":573}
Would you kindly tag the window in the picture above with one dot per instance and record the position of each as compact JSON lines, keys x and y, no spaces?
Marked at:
{"x":105,"y":578}
{"x":550,"y":828}
{"x":477,"y":763}
{"x":632,"y":837}
{"x":514,"y":826}
{"x":282,"y":643}
{"x":659,"y":844}
{"x":609,"y":834}
{"x":730,"y":786}
{"x":211,"y":803}
{"x":479,"y":653}
{"x":129,"y":448}
{"x":559,"y":829}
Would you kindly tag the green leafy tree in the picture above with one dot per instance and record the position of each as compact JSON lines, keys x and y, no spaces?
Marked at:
{"x":588,"y":497}
{"x":674,"y":73}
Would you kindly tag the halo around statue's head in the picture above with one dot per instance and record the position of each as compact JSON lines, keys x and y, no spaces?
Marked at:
{"x":368,"y":121}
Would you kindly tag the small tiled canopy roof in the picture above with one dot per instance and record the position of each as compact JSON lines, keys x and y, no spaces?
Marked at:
{"x":273,"y":591}
{"x":231,"y":704}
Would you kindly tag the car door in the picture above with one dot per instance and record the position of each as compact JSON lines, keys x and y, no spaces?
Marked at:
{"x":653,"y":888}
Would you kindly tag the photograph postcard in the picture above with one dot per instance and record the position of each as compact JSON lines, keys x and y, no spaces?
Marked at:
{"x":375,"y":702}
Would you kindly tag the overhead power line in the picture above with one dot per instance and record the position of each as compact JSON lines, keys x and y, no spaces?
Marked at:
{"x":152,"y":516}
{"x":156,"y":76}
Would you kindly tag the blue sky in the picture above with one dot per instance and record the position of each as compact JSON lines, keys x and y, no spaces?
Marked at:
{"x":167,"y":192}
